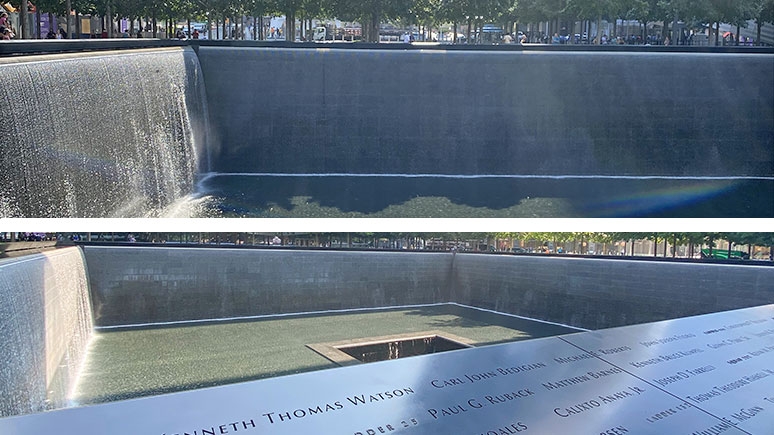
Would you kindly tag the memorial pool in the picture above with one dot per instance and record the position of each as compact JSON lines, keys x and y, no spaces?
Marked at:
{"x":96,"y":323}
{"x":690,"y":375}
{"x":387,"y":131}
{"x":123,"y":363}
{"x":435,"y":196}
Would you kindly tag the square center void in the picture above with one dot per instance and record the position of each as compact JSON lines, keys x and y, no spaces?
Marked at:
{"x":394,"y":349}
{"x":373,"y":349}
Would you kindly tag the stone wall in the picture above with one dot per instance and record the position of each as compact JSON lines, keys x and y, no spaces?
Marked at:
{"x":493,"y":111}
{"x":148,"y":285}
{"x":596,"y":293}
{"x":45,"y":324}
{"x":142,"y":285}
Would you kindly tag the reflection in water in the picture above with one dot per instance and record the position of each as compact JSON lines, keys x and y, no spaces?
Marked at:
{"x":266,"y":195}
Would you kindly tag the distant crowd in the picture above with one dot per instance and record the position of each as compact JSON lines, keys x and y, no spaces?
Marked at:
{"x":685,"y":38}
{"x":61,"y":34}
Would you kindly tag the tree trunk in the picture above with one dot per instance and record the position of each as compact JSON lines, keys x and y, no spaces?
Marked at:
{"x":599,"y":30}
{"x":155,"y":30}
{"x":37,"y":23}
{"x":717,"y":32}
{"x":675,"y":31}
{"x":255,"y":28}
{"x":374,"y":26}
{"x":24,"y":28}
{"x":467,"y":41}
{"x":758,"y":25}
{"x":290,"y":26}
{"x":454,"y":36}
{"x":77,"y":25}
{"x":737,"y":35}
{"x":109,"y":14}
{"x":69,"y":19}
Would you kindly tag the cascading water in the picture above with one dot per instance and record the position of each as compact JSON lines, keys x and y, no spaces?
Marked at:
{"x":45,"y":327}
{"x":116,"y":134}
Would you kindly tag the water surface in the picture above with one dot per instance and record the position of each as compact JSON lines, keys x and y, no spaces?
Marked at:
{"x":432,"y":196}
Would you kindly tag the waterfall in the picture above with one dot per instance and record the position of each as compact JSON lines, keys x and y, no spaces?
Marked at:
{"x":102,"y":134}
{"x":45,"y":327}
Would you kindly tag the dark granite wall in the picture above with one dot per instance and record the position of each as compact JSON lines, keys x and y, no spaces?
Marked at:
{"x":143,"y":285}
{"x":138,"y":285}
{"x":596,"y":293}
{"x":328,"y":110}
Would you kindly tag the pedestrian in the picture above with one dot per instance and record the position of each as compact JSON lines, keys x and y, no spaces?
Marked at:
{"x":51,"y":34}
{"x":195,"y":34}
{"x":4,"y":19}
{"x":62,"y":34}
{"x":6,"y":34}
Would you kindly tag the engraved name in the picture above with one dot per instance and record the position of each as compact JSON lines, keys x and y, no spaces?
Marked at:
{"x":480,"y":376}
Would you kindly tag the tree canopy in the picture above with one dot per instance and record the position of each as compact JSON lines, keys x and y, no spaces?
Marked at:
{"x":436,"y":11}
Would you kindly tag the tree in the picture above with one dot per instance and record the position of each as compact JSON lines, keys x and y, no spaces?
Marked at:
{"x":763,"y":12}
{"x":370,"y":13}
{"x":593,"y":9}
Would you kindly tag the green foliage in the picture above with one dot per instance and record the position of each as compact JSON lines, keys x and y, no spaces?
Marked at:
{"x":433,"y":12}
